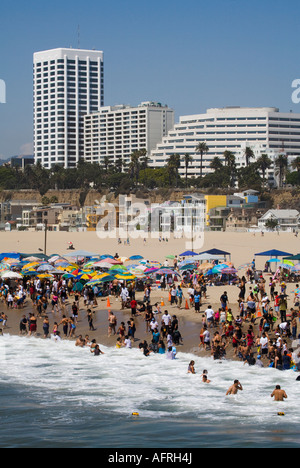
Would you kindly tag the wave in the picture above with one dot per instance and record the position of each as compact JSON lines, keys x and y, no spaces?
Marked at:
{"x":123,"y":381}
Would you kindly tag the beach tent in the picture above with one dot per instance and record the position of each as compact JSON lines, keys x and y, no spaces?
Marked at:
{"x":205,"y":256}
{"x":216,"y":252}
{"x":188,"y":253}
{"x":273,"y":253}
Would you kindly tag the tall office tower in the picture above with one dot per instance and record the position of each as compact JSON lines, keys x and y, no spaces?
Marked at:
{"x":68,"y":84}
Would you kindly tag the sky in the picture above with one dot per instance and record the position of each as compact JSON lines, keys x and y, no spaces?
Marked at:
{"x":190,"y":55}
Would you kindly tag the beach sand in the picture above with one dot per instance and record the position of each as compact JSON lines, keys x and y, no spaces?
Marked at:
{"x":242,"y":246}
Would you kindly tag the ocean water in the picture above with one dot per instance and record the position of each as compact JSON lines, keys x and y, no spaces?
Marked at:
{"x":57,"y":395}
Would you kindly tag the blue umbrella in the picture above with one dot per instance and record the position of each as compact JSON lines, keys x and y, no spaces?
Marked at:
{"x":136,"y":257}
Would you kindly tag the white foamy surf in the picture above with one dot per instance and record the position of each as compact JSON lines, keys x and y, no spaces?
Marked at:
{"x":124,"y":381}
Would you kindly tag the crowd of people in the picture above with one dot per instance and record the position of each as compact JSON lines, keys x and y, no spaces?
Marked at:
{"x":260,"y":333}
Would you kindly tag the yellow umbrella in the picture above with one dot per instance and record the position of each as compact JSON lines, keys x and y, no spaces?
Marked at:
{"x":45,"y":276}
{"x":99,"y":277}
{"x":125,"y":277}
{"x":30,"y":265}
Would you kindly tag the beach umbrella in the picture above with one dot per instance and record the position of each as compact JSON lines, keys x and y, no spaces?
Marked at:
{"x":136,"y":257}
{"x":45,"y":276}
{"x":107,"y":279}
{"x":46,"y":267}
{"x":215,"y":271}
{"x":102,"y":264}
{"x":293,"y":257}
{"x":125,"y":277}
{"x":69,"y":276}
{"x":11,"y":275}
{"x":189,"y":266}
{"x":296,"y":267}
{"x":165,"y":271}
{"x":106,"y":256}
{"x":118,"y":268}
{"x":112,"y":261}
{"x":170,"y":257}
{"x":229,"y":271}
{"x":151,"y":270}
{"x":285,"y":266}
{"x":31,"y":259}
{"x":81,"y":254}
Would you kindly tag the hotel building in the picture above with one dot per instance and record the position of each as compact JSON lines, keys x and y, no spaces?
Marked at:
{"x":116,"y":132}
{"x":68,"y":84}
{"x":264,"y":130}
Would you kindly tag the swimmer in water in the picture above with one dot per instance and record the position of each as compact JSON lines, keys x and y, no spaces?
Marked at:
{"x":233,"y":390}
{"x":191,"y":368}
{"x":205,"y":379}
{"x":279,"y":394}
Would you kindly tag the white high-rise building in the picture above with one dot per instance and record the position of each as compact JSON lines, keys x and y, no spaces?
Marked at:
{"x":264,"y":130}
{"x":68,"y":84}
{"x":116,"y":132}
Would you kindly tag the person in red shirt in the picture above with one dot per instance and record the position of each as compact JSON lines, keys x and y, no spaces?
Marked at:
{"x":133,"y":305}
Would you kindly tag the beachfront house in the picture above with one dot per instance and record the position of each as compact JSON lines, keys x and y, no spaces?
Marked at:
{"x":283,"y":220}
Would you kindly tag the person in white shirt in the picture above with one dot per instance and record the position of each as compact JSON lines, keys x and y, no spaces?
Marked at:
{"x":209,"y":316}
{"x":264,"y":343}
{"x":166,"y":319}
{"x":127,"y":342}
{"x":206,"y":339}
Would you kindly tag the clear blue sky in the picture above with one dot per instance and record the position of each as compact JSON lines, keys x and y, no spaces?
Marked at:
{"x":189,"y":54}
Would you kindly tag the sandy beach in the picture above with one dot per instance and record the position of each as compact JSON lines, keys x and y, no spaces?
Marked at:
{"x":242,"y":246}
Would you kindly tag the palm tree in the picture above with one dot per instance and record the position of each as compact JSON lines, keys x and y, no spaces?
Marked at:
{"x":281,"y":164}
{"x":201,"y":148}
{"x":249,"y":154}
{"x":296,"y":164}
{"x":173,"y":165}
{"x":230,"y":163}
{"x":216,"y":164}
{"x":135,"y":166}
{"x":188,"y":159}
{"x":229,"y":158}
{"x":264,"y":163}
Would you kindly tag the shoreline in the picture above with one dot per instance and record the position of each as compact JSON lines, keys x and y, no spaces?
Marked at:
{"x":190,"y":322}
{"x":242,"y":246}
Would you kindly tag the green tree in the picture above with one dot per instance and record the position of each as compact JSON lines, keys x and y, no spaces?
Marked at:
{"x":135,"y":166}
{"x":264,"y":163}
{"x":173,"y":165}
{"x":281,"y":165}
{"x":271,"y":224}
{"x":249,"y":154}
{"x":216,"y":164}
{"x":188,"y":159}
{"x":296,"y":164}
{"x":201,"y":148}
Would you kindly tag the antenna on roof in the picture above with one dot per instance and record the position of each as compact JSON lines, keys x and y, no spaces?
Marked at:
{"x":78,"y":34}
